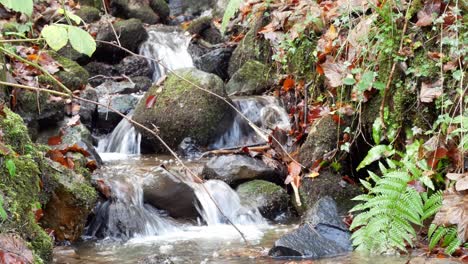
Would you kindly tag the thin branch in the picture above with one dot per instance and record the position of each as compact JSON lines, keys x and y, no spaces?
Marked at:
{"x":258,"y":130}
{"x":151,"y":131}
{"x":19,"y":40}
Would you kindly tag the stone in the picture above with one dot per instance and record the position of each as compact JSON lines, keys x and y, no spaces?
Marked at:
{"x":182,"y":110}
{"x":108,"y":120}
{"x":189,"y":149}
{"x":189,"y":8}
{"x":155,"y":259}
{"x":253,"y":78}
{"x":322,"y":235}
{"x":235,"y":169}
{"x":98,"y":71}
{"x":161,"y":8}
{"x":93,"y":3}
{"x":215,"y":61}
{"x":73,"y":76}
{"x":88,"y":111}
{"x":142,"y":83}
{"x":131,"y":34}
{"x":132,"y":66}
{"x":145,"y":14}
{"x":89,"y":14}
{"x":165,"y":190}
{"x":112,"y":87}
{"x":205,"y":29}
{"x":271,"y":200}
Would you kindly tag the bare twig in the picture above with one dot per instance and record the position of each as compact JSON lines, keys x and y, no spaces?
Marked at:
{"x":110,"y":23}
{"x":151,"y":131}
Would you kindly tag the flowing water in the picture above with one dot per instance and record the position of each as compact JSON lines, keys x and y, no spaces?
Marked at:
{"x":124,"y":139}
{"x":169,"y":46}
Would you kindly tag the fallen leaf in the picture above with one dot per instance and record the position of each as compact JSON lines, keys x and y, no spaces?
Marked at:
{"x":13,"y":249}
{"x":288,"y":84}
{"x":55,"y":140}
{"x":150,"y":101}
{"x":431,"y":91}
{"x":334,"y":71}
{"x":430,"y":10}
{"x":454,"y":211}
{"x":75,"y":148}
{"x":74,"y":121}
{"x":91,"y":165}
{"x":312,"y":174}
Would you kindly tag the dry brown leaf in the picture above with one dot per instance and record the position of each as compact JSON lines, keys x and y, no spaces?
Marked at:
{"x":426,"y":15}
{"x":461,"y":180}
{"x":334,"y":71}
{"x":360,"y":33}
{"x":454,"y":211}
{"x":431,"y":91}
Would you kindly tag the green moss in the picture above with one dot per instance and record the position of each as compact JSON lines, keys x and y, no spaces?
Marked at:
{"x":144,"y":14}
{"x":89,"y":14}
{"x":301,"y":59}
{"x":252,"y":78}
{"x":259,"y":187}
{"x":199,"y":24}
{"x":94,"y":3}
{"x":161,"y":8}
{"x":14,"y":131}
{"x":9,"y":27}
{"x":73,"y":76}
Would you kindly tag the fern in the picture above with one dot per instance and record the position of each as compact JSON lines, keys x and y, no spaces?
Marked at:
{"x":231,"y":10}
{"x":446,"y":237}
{"x":389,"y":211}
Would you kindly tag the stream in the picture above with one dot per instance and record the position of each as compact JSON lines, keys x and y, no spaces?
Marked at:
{"x":126,"y":229}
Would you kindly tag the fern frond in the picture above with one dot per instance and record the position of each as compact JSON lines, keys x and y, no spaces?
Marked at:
{"x":437,"y":236}
{"x":450,"y":249}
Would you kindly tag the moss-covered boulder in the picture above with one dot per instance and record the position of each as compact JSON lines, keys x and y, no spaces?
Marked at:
{"x":145,"y":14}
{"x":148,"y":11}
{"x":30,"y":185}
{"x":251,"y":47}
{"x":131,"y":34}
{"x":269,"y":198}
{"x":93,"y":3}
{"x":181,"y":110}
{"x":89,"y":14}
{"x":73,"y":76}
{"x":161,"y":8}
{"x":253,"y":78}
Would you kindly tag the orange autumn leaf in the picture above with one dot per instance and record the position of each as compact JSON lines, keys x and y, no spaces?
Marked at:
{"x":55,"y":140}
{"x":288,"y":84}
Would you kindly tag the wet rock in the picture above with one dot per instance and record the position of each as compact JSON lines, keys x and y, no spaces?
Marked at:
{"x":88,"y":111}
{"x":189,"y":8}
{"x":99,"y":72}
{"x":182,"y":110}
{"x":155,"y":259}
{"x":144,"y":14}
{"x":150,"y":11}
{"x":234,"y":169}
{"x":142,"y":83}
{"x":73,"y":76}
{"x":253,"y":78}
{"x":312,"y":189}
{"x":108,"y":120}
{"x":204,"y":28}
{"x":161,"y":8}
{"x":132,"y":66}
{"x":72,"y":199}
{"x":251,"y":47}
{"x":322,"y":235}
{"x":112,"y":87}
{"x":215,"y":61}
{"x":189,"y":149}
{"x":70,"y":53}
{"x":131,"y":34}
{"x":89,"y":14}
{"x":165,"y":190}
{"x":270,"y":199}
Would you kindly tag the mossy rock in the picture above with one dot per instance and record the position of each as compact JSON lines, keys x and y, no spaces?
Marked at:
{"x":269,"y":198}
{"x":253,"y":78}
{"x":9,"y":27}
{"x":199,"y":24}
{"x":93,"y":3}
{"x":182,"y":110}
{"x":145,"y":14}
{"x":15,"y":133}
{"x":89,"y":14}
{"x":251,"y":47}
{"x":161,"y":8}
{"x":73,"y":76}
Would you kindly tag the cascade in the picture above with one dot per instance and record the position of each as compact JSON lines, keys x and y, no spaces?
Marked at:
{"x":264,"y":111}
{"x":124,"y":139}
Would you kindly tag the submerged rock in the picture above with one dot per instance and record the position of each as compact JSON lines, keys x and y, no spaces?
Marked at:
{"x":270,"y":199}
{"x":234,"y":169}
{"x":181,"y":110}
{"x":322,"y":235}
{"x":189,"y":149}
{"x":166,"y":190}
{"x":253,"y":78}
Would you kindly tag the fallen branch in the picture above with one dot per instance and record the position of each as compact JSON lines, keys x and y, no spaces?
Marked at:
{"x":235,"y":150}
{"x":151,"y":131}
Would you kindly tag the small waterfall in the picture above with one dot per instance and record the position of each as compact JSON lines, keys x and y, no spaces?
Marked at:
{"x":228,"y":201}
{"x":124,"y":139}
{"x":125,"y":215}
{"x":264,"y":111}
{"x":169,"y":47}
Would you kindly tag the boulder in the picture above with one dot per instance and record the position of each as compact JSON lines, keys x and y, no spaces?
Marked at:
{"x":270,"y":199}
{"x":70,"y":53}
{"x":251,"y":47}
{"x":131,"y":34}
{"x":98,"y":71}
{"x":144,"y":14}
{"x":322,"y":235}
{"x":182,"y":110}
{"x":112,"y":87}
{"x":253,"y":78}
{"x":73,"y":76}
{"x":328,"y":183}
{"x":215,"y":61}
{"x":204,"y":28}
{"x":142,"y":83}
{"x":165,"y":190}
{"x":148,"y":11}
{"x":89,"y":14}
{"x":72,"y":199}
{"x":161,"y":8}
{"x":235,"y":169}
{"x":132,"y":66}
{"x":108,"y":120}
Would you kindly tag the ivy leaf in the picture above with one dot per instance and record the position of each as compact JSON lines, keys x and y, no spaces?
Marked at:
{"x":11,"y":167}
{"x":81,"y":41}
{"x":375,"y":154}
{"x":55,"y":36}
{"x":23,"y":6}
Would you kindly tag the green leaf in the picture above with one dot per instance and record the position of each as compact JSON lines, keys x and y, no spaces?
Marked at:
{"x":231,"y":10}
{"x":23,"y":6}
{"x":10,"y":165}
{"x":377,"y":130}
{"x":55,"y":36}
{"x":81,"y":41}
{"x":349,"y":81}
{"x":70,"y":15}
{"x":3,"y":214}
{"x":375,"y":154}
